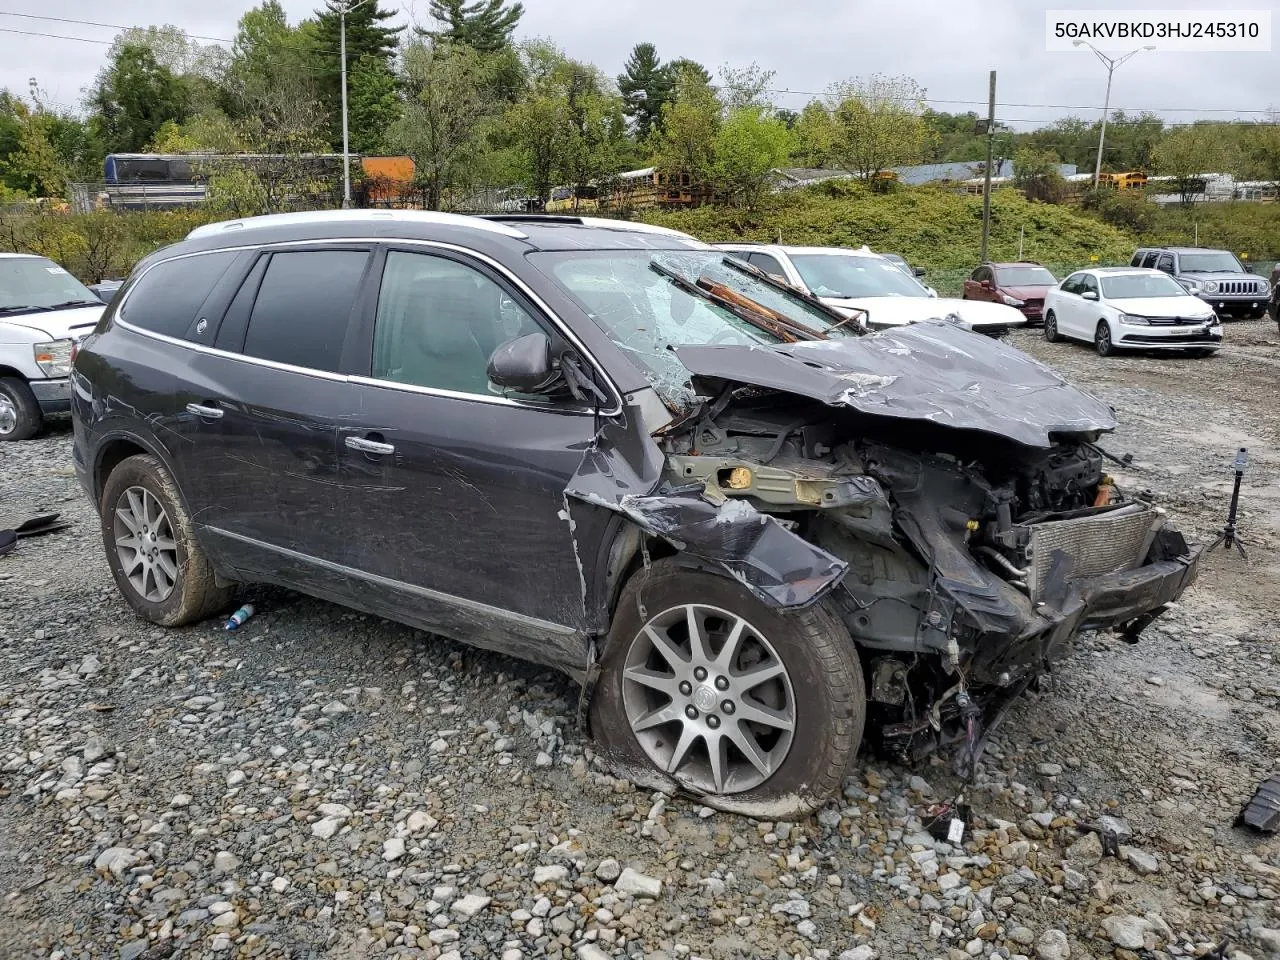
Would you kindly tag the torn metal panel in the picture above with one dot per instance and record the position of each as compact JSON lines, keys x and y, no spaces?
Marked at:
{"x":622,"y":473}
{"x":930,"y":371}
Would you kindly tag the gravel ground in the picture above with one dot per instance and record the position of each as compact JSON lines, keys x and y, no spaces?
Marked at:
{"x":326,"y":784}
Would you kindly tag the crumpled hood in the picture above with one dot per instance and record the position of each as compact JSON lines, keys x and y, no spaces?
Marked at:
{"x":899,"y":311}
{"x":932,"y":371}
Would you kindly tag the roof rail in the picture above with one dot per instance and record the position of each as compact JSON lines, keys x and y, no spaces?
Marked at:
{"x":529,"y":218}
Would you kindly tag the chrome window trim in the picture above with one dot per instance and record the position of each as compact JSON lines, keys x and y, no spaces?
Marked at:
{"x":510,"y":277}
{"x":426,"y":593}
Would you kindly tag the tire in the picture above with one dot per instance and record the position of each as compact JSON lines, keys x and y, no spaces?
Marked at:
{"x":1102,"y":340}
{"x":143,"y":482}
{"x":20,"y":417}
{"x":821,"y":681}
{"x":1202,"y":353}
{"x":1051,"y":328}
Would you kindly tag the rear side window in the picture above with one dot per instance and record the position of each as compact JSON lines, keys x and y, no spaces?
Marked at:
{"x":1165,"y":263}
{"x":303,"y":308}
{"x":167,"y":297}
{"x":1137,"y":258}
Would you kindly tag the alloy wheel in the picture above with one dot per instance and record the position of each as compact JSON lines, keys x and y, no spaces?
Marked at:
{"x":708,"y":699}
{"x":8,"y":415}
{"x":1102,"y":340}
{"x":145,"y":544}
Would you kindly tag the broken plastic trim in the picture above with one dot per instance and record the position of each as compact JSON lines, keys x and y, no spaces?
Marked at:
{"x":624,"y":476}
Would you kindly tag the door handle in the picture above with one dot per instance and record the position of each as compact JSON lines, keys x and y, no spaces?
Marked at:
{"x":209,"y":413}
{"x":365,"y":445}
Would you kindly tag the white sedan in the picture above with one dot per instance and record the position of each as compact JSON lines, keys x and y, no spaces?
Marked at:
{"x":1129,"y":308}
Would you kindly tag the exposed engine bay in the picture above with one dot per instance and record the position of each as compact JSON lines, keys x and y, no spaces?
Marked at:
{"x":972,"y":559}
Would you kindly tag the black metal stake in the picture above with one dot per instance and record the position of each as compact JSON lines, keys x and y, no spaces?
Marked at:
{"x":1229,"y":538}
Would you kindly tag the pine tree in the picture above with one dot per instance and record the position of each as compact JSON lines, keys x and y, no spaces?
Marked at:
{"x":371,"y":46}
{"x":645,"y":85}
{"x":484,"y":25}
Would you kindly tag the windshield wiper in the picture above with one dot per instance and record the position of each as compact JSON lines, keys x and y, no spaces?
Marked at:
{"x":775,"y":325}
{"x":65,"y":304}
{"x":25,"y":308}
{"x":751,"y":270}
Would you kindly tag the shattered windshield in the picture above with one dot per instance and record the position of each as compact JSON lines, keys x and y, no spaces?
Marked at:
{"x":648,"y":302}
{"x":847,"y":277}
{"x":34,"y":283}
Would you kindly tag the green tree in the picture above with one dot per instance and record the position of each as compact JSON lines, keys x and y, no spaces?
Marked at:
{"x":683,"y":65}
{"x":1187,"y":153}
{"x":1036,"y":174}
{"x":273,"y":91}
{"x":34,"y":165}
{"x":133,"y":97}
{"x":814,"y":136}
{"x":486,"y":25}
{"x":877,"y":123}
{"x":447,"y":110}
{"x":744,"y":87}
{"x":1262,"y":151}
{"x":371,"y":48}
{"x":690,"y":122}
{"x":748,"y":145}
{"x":596,"y":129}
{"x":645,"y":86}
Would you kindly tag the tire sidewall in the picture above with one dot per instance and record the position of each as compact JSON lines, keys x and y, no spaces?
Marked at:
{"x":667,"y":585}
{"x":1098,"y":341}
{"x":30,"y":419}
{"x":145,"y":472}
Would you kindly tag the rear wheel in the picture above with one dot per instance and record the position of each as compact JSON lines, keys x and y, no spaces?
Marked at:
{"x":1102,"y":340}
{"x":1051,"y":327}
{"x":715,"y":693}
{"x":20,"y":417}
{"x":158,"y":565}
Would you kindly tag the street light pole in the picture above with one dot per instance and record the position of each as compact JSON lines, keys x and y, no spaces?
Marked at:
{"x":1110,"y":63}
{"x":342,"y":8}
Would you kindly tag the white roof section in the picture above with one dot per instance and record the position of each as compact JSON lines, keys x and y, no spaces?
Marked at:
{"x":22,"y":255}
{"x":354,"y":216}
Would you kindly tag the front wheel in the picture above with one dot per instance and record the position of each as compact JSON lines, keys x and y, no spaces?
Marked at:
{"x":711,"y":691}
{"x":1102,"y":340}
{"x":158,"y":565}
{"x":20,"y":417}
{"x":1051,"y":327}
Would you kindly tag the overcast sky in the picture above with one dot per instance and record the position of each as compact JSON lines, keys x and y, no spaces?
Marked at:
{"x":947,"y":45}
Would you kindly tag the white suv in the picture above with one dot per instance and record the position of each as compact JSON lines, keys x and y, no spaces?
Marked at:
{"x":859,"y":281}
{"x":1129,"y":308}
{"x":44,"y":311}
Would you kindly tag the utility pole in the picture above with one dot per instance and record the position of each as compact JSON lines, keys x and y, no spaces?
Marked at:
{"x":1110,"y":63}
{"x":986,"y":185}
{"x":342,"y":8}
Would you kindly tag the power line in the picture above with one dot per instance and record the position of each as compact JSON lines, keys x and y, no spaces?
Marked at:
{"x":774,"y":90}
{"x":95,"y":23}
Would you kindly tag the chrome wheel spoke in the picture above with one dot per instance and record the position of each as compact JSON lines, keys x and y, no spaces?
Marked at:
{"x":145,"y":544}
{"x":662,"y":682}
{"x":165,"y":562}
{"x":133,"y":563}
{"x":657,"y":718}
{"x":699,"y":645}
{"x":752,"y":677}
{"x":724,"y":662}
{"x":167,"y":544}
{"x":688,"y":734}
{"x":744,"y":741}
{"x":669,"y":651}
{"x":130,"y":522}
{"x":718,"y":751}
{"x":756,"y":712}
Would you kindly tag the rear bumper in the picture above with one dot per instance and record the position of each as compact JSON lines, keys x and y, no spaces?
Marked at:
{"x":54,"y":396}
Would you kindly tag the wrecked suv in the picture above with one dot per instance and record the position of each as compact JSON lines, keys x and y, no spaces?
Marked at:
{"x":747,"y":527}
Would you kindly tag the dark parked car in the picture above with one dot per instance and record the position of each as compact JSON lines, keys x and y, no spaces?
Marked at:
{"x":1215,"y":276}
{"x":743,"y":525}
{"x":1021,"y":285}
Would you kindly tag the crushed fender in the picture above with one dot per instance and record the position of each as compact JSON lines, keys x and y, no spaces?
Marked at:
{"x":774,"y":563}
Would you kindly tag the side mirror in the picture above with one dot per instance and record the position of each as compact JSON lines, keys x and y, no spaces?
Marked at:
{"x":1248,"y":268}
{"x":1090,"y":294}
{"x":918,"y":271}
{"x":985,"y":284}
{"x":524,"y":365}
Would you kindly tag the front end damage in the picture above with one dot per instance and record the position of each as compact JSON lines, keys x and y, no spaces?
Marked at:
{"x":943,"y":495}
